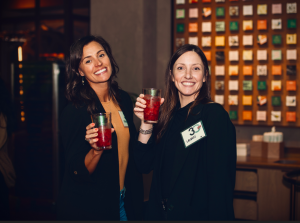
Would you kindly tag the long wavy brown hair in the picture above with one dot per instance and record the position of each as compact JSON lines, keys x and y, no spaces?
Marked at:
{"x":171,"y":92}
{"x":78,"y":93}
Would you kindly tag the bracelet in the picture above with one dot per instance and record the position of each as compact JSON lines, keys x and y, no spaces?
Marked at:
{"x":149,"y":131}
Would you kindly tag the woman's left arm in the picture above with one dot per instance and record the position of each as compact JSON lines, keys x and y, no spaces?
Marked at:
{"x":221,"y":161}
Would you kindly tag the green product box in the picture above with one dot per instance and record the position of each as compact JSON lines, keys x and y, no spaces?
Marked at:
{"x":292,"y":23}
{"x":276,"y":39}
{"x":233,"y":115}
{"x":247,"y":85}
{"x":220,"y":11}
{"x":233,"y":26}
{"x":180,"y":28}
{"x":276,"y":100}
{"x":261,"y":85}
{"x":220,"y":26}
{"x":180,"y":14}
{"x":276,"y":55}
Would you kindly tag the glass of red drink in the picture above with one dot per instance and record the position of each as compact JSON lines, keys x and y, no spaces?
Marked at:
{"x":152,"y":97}
{"x":103,"y":123}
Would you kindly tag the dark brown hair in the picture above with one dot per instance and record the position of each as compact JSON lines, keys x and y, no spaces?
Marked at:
{"x":171,"y":92}
{"x":78,"y":93}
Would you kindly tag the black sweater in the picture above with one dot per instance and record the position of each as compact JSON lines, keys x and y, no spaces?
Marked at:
{"x":95,"y":196}
{"x":202,"y":179}
{"x":176,"y":125}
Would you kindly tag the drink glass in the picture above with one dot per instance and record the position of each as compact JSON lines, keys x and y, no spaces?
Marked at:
{"x":152,"y":97}
{"x":103,"y":123}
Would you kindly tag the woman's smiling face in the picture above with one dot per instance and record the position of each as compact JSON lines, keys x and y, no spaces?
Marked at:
{"x":95,"y":65}
{"x":188,"y":76}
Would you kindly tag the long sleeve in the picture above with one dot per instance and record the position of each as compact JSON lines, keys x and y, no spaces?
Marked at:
{"x":144,"y":155}
{"x":73,"y":123}
{"x":221,"y":164}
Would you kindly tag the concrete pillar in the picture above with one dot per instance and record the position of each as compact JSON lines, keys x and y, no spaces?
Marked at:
{"x":139,"y":33}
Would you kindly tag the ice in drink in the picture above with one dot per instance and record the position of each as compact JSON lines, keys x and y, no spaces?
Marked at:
{"x":103,"y":123}
{"x":104,"y":138}
{"x":151,"y":111}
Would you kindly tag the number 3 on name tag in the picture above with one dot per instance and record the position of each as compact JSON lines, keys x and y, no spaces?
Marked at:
{"x":193,"y":134}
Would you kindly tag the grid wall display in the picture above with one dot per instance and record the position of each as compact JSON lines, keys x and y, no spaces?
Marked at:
{"x":253,"y":51}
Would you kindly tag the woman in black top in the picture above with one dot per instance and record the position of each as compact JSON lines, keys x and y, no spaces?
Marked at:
{"x":192,"y":150}
{"x":94,"y":181}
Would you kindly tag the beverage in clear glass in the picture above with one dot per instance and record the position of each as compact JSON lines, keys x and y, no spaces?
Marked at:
{"x":152,"y":97}
{"x":103,"y":123}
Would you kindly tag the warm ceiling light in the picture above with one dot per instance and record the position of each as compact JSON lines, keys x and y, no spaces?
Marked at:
{"x":20,"y":4}
{"x":44,"y":27}
{"x":20,"y":81}
{"x":22,"y":119}
{"x":20,"y":65}
{"x":20,"y":76}
{"x":20,"y":57}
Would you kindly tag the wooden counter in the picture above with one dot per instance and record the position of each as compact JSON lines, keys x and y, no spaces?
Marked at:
{"x":260,"y":191}
{"x":260,"y":162}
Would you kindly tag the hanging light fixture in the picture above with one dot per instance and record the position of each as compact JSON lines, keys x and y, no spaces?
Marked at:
{"x":20,"y":56}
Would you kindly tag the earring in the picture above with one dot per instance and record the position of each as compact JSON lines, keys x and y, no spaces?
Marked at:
{"x":82,"y":81}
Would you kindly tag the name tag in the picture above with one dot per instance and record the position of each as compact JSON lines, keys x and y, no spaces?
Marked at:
{"x":193,"y":134}
{"x":123,"y":119}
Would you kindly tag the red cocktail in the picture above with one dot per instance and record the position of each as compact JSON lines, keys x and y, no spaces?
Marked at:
{"x":104,"y":138}
{"x":103,"y":123}
{"x":151,"y":112}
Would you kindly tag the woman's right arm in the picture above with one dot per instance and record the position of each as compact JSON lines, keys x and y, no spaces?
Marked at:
{"x":91,"y":160}
{"x":80,"y":157}
{"x":144,"y":152}
{"x":140,"y":105}
{"x":93,"y":156}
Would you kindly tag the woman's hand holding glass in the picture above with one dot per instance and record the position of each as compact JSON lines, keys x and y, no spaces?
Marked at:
{"x":91,"y":134}
{"x":140,"y":105}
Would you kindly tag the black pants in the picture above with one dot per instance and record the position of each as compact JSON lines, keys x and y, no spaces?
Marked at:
{"x":4,"y":203}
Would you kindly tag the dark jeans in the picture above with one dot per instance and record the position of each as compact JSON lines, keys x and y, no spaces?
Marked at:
{"x":4,"y":203}
{"x":123,"y":216}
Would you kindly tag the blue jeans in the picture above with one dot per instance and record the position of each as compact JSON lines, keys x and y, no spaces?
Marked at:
{"x":123,"y":216}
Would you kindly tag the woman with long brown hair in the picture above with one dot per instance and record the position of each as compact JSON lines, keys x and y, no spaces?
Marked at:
{"x":192,"y":149}
{"x":97,"y":185}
